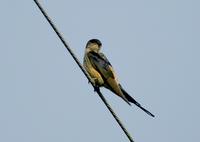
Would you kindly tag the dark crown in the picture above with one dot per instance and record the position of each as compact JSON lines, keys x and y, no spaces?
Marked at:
{"x":95,"y":41}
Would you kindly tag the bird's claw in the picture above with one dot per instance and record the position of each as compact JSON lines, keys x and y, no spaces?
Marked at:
{"x":96,"y":88}
{"x":94,"y":84}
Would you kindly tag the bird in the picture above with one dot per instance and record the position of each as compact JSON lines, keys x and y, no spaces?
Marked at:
{"x":102,"y":73}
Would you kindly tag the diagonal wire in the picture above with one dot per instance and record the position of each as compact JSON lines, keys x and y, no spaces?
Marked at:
{"x":83,"y":70}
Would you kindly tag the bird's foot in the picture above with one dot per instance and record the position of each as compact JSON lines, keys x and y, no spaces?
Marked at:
{"x":96,"y":88}
{"x":94,"y":82}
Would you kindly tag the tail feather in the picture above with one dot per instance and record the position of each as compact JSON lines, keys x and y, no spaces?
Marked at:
{"x":130,"y":99}
{"x":113,"y":86}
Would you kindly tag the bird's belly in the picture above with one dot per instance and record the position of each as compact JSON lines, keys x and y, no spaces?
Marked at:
{"x":94,"y":74}
{"x":98,"y":80}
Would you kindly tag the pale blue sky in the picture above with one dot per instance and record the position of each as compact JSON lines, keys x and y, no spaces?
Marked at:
{"x":154,"y":47}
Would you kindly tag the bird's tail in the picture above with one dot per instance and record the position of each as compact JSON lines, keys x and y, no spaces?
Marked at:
{"x":130,"y":99}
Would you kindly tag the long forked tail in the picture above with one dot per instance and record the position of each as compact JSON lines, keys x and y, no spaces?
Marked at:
{"x":129,"y":98}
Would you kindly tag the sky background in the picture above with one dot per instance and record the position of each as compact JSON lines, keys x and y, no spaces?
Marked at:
{"x":154,"y":46}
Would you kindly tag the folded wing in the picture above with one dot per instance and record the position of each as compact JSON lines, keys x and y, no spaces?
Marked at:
{"x":103,"y":66}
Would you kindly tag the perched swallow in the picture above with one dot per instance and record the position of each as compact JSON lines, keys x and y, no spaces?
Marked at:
{"x":102,"y":72}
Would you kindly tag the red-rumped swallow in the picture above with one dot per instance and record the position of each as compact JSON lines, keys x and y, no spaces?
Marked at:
{"x":102,"y":72}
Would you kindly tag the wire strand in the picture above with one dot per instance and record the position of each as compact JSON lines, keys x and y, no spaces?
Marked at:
{"x":83,"y":70}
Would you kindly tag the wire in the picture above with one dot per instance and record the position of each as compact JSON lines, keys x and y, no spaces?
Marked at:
{"x":83,"y":70}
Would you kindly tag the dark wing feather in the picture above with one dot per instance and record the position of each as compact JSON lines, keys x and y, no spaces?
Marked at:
{"x":101,"y":63}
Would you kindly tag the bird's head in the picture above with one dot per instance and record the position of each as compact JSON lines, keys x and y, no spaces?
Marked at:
{"x":93,"y":45}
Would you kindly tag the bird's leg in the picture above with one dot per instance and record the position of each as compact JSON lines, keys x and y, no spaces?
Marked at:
{"x":92,"y":81}
{"x":96,"y":88}
{"x":95,"y":84}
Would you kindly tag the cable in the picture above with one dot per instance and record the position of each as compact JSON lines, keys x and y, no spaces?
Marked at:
{"x":83,"y":70}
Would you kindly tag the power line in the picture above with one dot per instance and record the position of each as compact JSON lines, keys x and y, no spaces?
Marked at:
{"x":83,"y":70}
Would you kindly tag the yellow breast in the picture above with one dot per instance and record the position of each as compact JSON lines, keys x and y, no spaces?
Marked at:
{"x":94,"y":74}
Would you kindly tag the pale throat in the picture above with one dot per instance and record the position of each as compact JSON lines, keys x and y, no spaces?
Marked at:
{"x":94,"y":48}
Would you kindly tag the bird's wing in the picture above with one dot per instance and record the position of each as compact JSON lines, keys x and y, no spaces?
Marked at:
{"x":101,"y":64}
